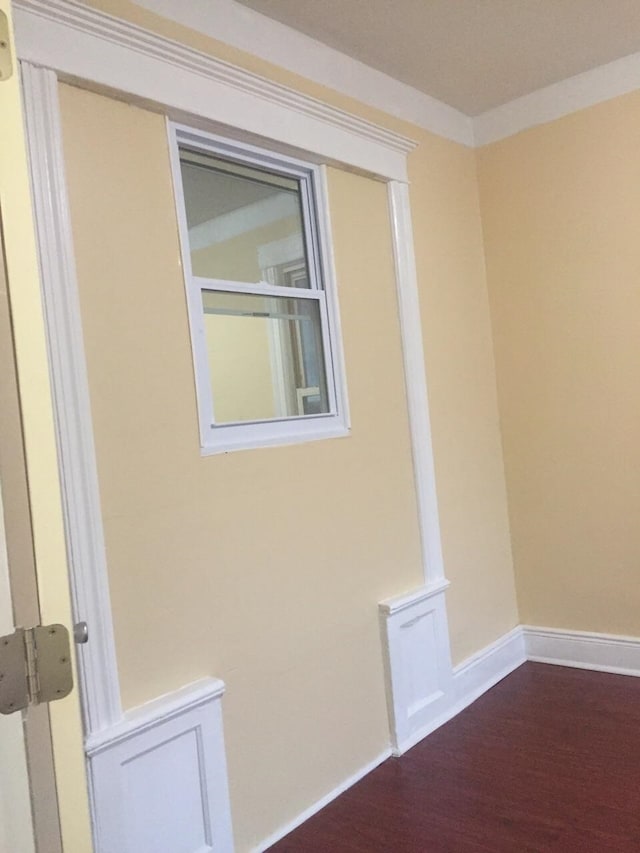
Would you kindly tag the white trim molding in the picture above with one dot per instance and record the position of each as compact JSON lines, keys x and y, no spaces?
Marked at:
{"x":560,"y":99}
{"x":416,"y":381}
{"x":72,"y":411}
{"x":248,"y":30}
{"x":417,"y":664}
{"x":82,"y":43}
{"x":159,"y":778}
{"x":484,"y":669}
{"x":583,"y":650}
{"x":104,"y":52}
{"x":423,"y":690}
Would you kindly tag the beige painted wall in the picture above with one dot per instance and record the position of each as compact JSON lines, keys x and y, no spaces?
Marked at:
{"x":460,"y":365}
{"x":261,"y":567}
{"x":561,"y":206}
{"x":481,"y":600}
{"x":286,"y":615}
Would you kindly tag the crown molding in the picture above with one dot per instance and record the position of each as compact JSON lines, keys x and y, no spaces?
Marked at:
{"x":81,"y":43}
{"x":250,"y":31}
{"x":558,"y":100}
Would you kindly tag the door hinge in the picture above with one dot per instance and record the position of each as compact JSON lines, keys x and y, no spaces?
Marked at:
{"x":35,"y":667}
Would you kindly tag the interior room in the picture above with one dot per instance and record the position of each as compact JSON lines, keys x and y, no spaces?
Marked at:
{"x":323,"y":319}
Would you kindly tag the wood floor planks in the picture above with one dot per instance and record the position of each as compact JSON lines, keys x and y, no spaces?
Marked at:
{"x":548,"y":760}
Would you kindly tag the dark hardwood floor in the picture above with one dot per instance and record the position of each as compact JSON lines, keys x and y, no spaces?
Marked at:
{"x":548,"y":760}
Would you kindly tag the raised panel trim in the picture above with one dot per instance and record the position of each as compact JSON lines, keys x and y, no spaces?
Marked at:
{"x":417,"y":664}
{"x":166,"y":727}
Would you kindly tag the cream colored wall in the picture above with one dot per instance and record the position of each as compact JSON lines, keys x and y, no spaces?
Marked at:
{"x":561,"y":206}
{"x":286,"y":615}
{"x":481,"y":601}
{"x":261,"y":567}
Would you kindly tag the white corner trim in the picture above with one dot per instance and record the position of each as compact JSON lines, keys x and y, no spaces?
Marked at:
{"x":416,"y":381}
{"x":159,"y":780}
{"x":583,"y":650}
{"x":248,"y":30}
{"x":74,"y":429}
{"x":322,"y":802}
{"x":560,"y":99}
{"x":84,"y":44}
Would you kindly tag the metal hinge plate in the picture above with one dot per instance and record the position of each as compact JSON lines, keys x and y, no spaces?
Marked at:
{"x":35,"y":667}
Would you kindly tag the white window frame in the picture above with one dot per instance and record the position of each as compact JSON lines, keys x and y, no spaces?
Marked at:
{"x":221,"y":438}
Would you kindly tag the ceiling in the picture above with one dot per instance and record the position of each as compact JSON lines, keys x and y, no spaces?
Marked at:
{"x":472,"y":54}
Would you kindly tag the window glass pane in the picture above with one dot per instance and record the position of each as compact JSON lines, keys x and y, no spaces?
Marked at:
{"x":245,"y":224}
{"x":266,"y":357}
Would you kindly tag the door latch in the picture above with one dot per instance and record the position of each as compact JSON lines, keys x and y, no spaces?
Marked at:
{"x":35,"y":667}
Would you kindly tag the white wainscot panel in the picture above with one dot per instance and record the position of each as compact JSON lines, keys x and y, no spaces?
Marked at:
{"x":418,"y":663}
{"x":159,"y":778}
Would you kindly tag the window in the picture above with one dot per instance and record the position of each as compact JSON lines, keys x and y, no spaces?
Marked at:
{"x":260,"y":293}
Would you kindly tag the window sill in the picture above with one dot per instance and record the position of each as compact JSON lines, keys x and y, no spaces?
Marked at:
{"x":272,"y":435}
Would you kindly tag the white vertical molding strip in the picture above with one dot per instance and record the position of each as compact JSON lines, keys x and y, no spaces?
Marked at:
{"x":79,"y":478}
{"x":415,"y":381}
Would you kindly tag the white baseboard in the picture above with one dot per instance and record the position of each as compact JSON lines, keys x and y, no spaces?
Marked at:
{"x":478,"y":673}
{"x":321,"y":803}
{"x":583,"y":650}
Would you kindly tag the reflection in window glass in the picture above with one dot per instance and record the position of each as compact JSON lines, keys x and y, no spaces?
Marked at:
{"x":244,"y":223}
{"x":266,"y":358}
